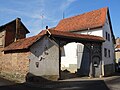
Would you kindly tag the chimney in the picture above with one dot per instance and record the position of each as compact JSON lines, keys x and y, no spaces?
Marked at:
{"x":46,"y":27}
{"x":18,"y":20}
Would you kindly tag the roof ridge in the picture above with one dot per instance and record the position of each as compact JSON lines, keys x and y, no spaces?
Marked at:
{"x":9,"y":22}
{"x":85,"y":13}
{"x":2,"y":26}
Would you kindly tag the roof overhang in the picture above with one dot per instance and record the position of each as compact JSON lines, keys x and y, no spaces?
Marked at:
{"x":75,"y":37}
{"x":28,"y":42}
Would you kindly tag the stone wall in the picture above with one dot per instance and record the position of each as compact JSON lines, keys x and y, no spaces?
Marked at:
{"x":14,"y":66}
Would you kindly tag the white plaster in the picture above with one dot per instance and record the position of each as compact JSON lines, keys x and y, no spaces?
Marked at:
{"x":108,"y":44}
{"x":70,"y":55}
{"x":96,"y":32}
{"x":49,"y":64}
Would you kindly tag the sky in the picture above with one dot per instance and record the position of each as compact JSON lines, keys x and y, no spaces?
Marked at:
{"x":37,"y":14}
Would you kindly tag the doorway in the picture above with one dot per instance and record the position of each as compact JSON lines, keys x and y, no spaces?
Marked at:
{"x":96,"y":66}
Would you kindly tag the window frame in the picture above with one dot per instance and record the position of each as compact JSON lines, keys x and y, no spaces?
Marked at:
{"x":108,"y":53}
{"x":105,"y":52}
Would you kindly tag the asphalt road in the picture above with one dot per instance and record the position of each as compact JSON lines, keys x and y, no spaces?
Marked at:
{"x":4,"y":82}
{"x":112,"y":84}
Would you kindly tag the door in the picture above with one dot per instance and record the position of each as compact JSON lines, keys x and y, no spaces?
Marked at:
{"x":96,"y":66}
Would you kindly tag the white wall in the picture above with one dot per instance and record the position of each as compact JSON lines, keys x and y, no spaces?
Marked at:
{"x":107,"y":44}
{"x":50,"y":64}
{"x":70,"y":55}
{"x":96,"y":32}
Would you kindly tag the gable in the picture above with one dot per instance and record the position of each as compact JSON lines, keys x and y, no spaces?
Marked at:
{"x":14,"y":21}
{"x":111,"y":29}
{"x":108,"y":27}
{"x":14,"y":30}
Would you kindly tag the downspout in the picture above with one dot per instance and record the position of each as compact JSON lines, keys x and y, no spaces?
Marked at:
{"x":101,"y":61}
{"x":59,"y":60}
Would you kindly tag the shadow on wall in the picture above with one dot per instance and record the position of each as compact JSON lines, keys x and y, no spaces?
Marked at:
{"x":42,"y":47}
{"x":85,"y":63}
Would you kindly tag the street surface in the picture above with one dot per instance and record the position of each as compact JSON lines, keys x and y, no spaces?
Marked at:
{"x":112,"y":83}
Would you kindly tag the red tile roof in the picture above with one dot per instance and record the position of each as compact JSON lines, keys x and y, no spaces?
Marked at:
{"x":26,"y":43}
{"x":84,"y":21}
{"x":76,"y":36}
{"x":118,"y":46}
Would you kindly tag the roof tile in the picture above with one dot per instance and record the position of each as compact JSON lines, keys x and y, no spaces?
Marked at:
{"x":27,"y":42}
{"x":24,"y":43}
{"x":84,"y":21}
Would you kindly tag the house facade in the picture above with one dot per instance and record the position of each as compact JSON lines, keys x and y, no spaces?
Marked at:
{"x":84,"y":42}
{"x":46,"y":53}
{"x":96,"y":23}
{"x":42,"y":53}
{"x":13,"y":65}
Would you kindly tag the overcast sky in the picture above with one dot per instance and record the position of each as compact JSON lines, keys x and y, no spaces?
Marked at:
{"x":36,"y":14}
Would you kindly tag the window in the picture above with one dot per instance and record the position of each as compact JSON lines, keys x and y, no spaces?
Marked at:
{"x":37,"y":64}
{"x":109,"y":53}
{"x":105,"y":52}
{"x":108,"y":37}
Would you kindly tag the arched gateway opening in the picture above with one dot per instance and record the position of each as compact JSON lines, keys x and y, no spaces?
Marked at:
{"x":79,"y":59}
{"x":69,"y":60}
